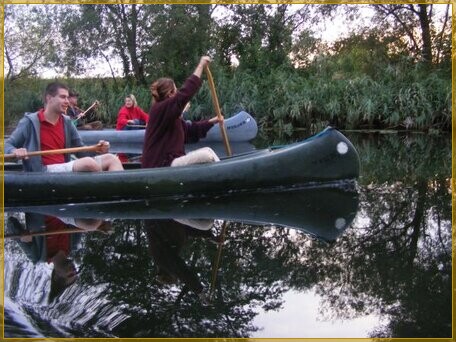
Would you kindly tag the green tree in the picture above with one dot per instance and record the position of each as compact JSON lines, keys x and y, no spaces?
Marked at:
{"x":25,"y":53}
{"x":179,"y":36}
{"x":260,"y":36}
{"x":114,"y":32}
{"x":149,"y":40}
{"x":415,"y":29}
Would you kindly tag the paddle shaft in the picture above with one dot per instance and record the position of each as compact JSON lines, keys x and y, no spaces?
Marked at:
{"x":216,"y":264}
{"x":217,"y":111}
{"x":91,"y":148}
{"x":85,"y":112}
{"x":54,"y":232}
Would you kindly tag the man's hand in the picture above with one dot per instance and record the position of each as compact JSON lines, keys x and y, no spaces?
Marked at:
{"x":20,"y":153}
{"x":103,"y":147}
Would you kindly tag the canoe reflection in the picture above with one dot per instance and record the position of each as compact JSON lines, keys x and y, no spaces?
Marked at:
{"x":166,"y":239}
{"x":323,"y":212}
{"x":182,"y":240}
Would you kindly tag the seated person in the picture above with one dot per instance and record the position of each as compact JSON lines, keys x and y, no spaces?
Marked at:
{"x":131,"y":115}
{"x":77,"y":116}
{"x":49,"y":129}
{"x":167,"y":131}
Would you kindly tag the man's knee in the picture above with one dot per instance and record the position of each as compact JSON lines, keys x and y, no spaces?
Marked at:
{"x":109,"y":162}
{"x":86,"y":164}
{"x":211,"y":154}
{"x":200,"y":156}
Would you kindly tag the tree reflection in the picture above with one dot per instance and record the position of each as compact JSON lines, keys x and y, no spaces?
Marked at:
{"x":396,"y":262}
{"x":248,"y":278}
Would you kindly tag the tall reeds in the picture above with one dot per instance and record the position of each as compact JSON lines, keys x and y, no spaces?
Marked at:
{"x":399,"y":96}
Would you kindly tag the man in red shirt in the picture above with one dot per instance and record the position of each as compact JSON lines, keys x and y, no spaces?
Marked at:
{"x":49,"y":129}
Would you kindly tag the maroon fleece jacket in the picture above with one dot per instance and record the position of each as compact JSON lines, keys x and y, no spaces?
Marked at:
{"x":167,"y":132}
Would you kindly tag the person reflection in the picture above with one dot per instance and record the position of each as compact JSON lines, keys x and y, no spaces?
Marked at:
{"x":166,"y":239}
{"x":52,"y":240}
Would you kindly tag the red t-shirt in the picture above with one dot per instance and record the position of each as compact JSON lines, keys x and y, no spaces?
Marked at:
{"x":52,"y":138}
{"x":57,"y":242}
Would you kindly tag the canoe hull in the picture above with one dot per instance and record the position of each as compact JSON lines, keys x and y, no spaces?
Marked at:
{"x":326,"y":157}
{"x":324,"y":212}
{"x":241,"y":127}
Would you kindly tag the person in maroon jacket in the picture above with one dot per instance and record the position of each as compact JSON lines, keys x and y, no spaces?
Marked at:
{"x":167,"y":131}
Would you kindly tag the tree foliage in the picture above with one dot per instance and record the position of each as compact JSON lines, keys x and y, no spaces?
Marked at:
{"x":393,"y":72}
{"x":25,"y":53}
{"x":414,"y":29}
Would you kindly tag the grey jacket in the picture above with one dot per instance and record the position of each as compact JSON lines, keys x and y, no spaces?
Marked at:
{"x":27,"y":135}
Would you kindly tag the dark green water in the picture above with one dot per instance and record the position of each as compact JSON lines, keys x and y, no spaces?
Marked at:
{"x":388,"y":274}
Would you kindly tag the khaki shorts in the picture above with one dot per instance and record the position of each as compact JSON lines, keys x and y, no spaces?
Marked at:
{"x":64,"y":167}
{"x":68,"y":167}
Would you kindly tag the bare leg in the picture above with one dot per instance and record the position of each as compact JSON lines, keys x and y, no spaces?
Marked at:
{"x":86,"y":164}
{"x":109,"y":162}
{"x":199,"y":156}
{"x":88,"y":224}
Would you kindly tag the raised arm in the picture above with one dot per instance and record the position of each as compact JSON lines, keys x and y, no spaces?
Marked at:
{"x":205,"y":60}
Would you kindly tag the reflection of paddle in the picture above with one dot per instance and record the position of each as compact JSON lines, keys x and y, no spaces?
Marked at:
{"x":104,"y":227}
{"x":217,"y":260}
{"x":217,"y":110}
{"x":54,"y":232}
{"x":92,"y":148}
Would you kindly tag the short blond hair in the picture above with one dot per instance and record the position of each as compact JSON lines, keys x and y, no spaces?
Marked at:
{"x":133,"y":98}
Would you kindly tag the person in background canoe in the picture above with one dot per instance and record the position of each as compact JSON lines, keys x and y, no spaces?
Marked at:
{"x":167,"y":131}
{"x":131,"y":116}
{"x":49,"y":129}
{"x":77,"y":116}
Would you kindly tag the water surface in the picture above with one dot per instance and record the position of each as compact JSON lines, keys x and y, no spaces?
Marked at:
{"x":386,"y":273}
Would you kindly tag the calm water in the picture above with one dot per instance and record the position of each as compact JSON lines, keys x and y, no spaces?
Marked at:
{"x":325,"y":263}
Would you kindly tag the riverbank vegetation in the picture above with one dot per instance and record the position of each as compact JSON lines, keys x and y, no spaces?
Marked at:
{"x":393,"y":73}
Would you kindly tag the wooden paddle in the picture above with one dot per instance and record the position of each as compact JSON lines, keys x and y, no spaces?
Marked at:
{"x":96,"y":103}
{"x":217,"y":110}
{"x":92,"y":148}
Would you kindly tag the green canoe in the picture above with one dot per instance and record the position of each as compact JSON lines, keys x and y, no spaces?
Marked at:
{"x":324,"y":211}
{"x":326,"y":157}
